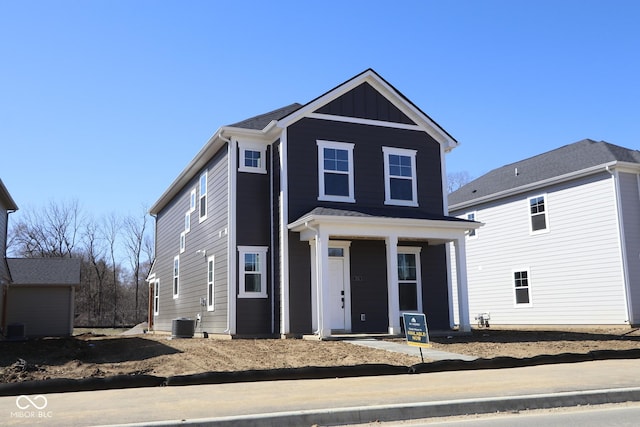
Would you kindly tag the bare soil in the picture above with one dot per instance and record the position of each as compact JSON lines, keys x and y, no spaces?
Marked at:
{"x":93,"y":354}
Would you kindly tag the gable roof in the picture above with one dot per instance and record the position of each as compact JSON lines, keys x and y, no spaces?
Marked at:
{"x":44,"y":271}
{"x":261,"y":121}
{"x":5,"y":198}
{"x":566,"y":161}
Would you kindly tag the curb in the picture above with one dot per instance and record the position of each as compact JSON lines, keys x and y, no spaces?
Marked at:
{"x":415,"y":411}
{"x":64,"y":385}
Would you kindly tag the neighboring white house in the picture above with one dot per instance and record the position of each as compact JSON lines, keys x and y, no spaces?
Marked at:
{"x":561,"y":237}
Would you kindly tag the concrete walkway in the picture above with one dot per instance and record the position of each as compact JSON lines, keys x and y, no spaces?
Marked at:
{"x":427,"y":353}
{"x":335,"y":401}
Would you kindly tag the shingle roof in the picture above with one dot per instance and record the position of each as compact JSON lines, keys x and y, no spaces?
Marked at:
{"x":259,"y":122}
{"x":570,"y":158}
{"x":380,"y":213}
{"x":44,"y":271}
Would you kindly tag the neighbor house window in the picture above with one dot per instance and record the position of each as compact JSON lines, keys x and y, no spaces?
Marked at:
{"x":176,"y":276}
{"x":252,"y":157}
{"x":203,"y":197}
{"x":400,"y":182}
{"x":210,"y":283}
{"x":538,"y":212}
{"x":335,"y":171}
{"x":156,"y":297}
{"x":521,"y":286}
{"x":183,"y":241}
{"x":472,"y":217}
{"x":253,"y":271}
{"x":409,"y":283}
{"x":192,"y":200}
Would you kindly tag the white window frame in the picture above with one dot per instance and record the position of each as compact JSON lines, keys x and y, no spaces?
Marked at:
{"x":348,"y":147}
{"x":262,"y":252}
{"x":211,"y":280}
{"x":175,"y":285}
{"x":202,"y":199}
{"x":387,"y":152}
{"x":156,"y":297}
{"x":187,"y":222}
{"x":545,"y":200}
{"x":245,"y":146}
{"x":415,"y":250}
{"x":193,"y":197}
{"x":473,"y":233}
{"x":528,"y":287}
{"x":183,"y":242}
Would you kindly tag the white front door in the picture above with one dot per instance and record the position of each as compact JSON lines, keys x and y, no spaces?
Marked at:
{"x":337,"y":300}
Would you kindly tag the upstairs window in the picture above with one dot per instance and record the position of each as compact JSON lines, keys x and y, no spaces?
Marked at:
{"x":538,"y":213}
{"x":472,"y":217}
{"x":400,"y":183}
{"x":192,"y":200}
{"x":203,"y":197}
{"x":253,"y":271}
{"x":252,"y":157}
{"x":176,"y":276}
{"x":210,"y":283}
{"x":156,"y":297}
{"x":335,"y":171}
{"x":521,"y":287}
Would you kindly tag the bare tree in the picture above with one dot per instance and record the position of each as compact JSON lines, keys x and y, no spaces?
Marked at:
{"x":111,"y":233}
{"x":134,"y":240}
{"x":456,"y":180}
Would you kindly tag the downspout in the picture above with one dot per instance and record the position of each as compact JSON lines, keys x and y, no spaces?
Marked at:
{"x":231,"y":235}
{"x":623,"y":247}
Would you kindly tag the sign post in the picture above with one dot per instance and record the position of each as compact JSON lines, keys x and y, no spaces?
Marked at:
{"x":416,"y":332}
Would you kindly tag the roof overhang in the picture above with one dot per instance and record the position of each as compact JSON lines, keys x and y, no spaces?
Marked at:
{"x":376,"y":227}
{"x":6,"y":199}
{"x":605,"y":167}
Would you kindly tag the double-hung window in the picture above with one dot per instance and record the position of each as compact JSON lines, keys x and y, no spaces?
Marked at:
{"x":472,"y":217}
{"x":253,"y":271}
{"x":176,"y":276}
{"x":252,"y":157}
{"x":522,"y":287}
{"x":538,"y":212}
{"x":203,"y":197}
{"x":400,"y":181}
{"x":183,"y":241}
{"x":210,"y":283}
{"x":156,"y":297}
{"x":335,"y":171}
{"x":409,"y":283}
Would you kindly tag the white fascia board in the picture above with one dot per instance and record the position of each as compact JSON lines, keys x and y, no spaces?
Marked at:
{"x":539,"y":184}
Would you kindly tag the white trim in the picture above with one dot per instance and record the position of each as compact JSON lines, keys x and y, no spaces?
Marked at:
{"x":156,"y":297}
{"x":393,"y":296}
{"x":175,"y":274}
{"x":368,"y":122}
{"x":412,"y":250}
{"x":546,"y":228}
{"x":336,"y":145}
{"x":261,"y":251}
{"x":474,"y":231}
{"x":183,"y":242}
{"x":259,"y":147}
{"x":204,"y":196}
{"x":232,"y":259}
{"x":411,"y":154}
{"x":187,"y":221}
{"x":211,"y":282}
{"x":513,"y":287}
{"x":193,"y":200}
{"x":285,"y":325}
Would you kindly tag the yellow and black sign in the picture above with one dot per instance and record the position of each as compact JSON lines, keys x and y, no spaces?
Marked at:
{"x":415,"y":329}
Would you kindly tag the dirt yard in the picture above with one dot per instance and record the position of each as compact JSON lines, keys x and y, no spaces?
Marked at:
{"x":93,"y":354}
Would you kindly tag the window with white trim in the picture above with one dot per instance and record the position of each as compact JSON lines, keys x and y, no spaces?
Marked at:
{"x":187,"y":222}
{"x":252,"y":157}
{"x":202,"y":201}
{"x":253,"y":271}
{"x":400,"y":181}
{"x":183,"y":241}
{"x":409,"y":279}
{"x":538,"y":213}
{"x":192,"y":200}
{"x":176,"y":276}
{"x":471,"y":216}
{"x":156,"y":297}
{"x":210,"y":283}
{"x":521,"y":287}
{"x":335,"y":171}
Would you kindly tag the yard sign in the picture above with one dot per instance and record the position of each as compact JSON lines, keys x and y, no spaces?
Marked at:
{"x":415,"y":328}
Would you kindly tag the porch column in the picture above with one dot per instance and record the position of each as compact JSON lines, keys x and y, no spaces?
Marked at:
{"x":392,"y":285}
{"x":461,"y":275}
{"x":322,"y":271}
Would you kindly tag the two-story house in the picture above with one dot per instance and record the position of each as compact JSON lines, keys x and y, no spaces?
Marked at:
{"x":323,"y":218}
{"x":561,"y":237}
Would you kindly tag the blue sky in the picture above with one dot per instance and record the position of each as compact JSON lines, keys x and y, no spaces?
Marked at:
{"x":105,"y":102}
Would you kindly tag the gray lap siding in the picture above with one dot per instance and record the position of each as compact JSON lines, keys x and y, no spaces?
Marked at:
{"x":207,"y":235}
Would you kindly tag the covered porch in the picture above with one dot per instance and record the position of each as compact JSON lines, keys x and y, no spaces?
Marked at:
{"x":331,"y":232}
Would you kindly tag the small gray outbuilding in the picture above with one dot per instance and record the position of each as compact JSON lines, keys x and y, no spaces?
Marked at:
{"x":39,"y":299}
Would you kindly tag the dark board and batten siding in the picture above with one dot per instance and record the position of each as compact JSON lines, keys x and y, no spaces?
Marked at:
{"x":210,"y":235}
